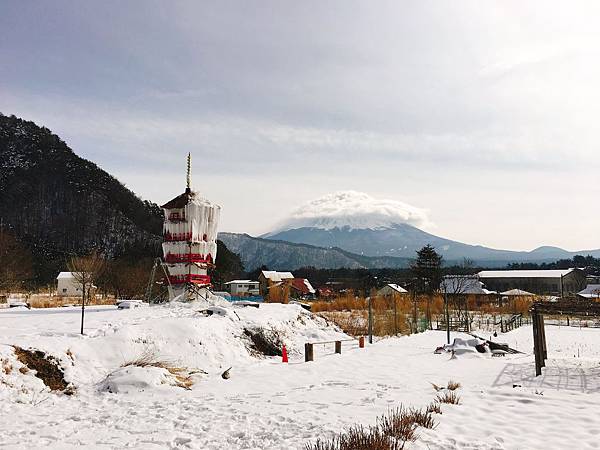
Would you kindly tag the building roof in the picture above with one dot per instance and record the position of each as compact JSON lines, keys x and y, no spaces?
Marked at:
{"x":590,"y":291}
{"x":303,"y":285}
{"x":396,"y":288}
{"x":65,"y":275}
{"x":555,"y":273}
{"x":517,"y":293}
{"x":241,"y":282}
{"x":275,"y":276}
{"x":460,"y":284}
{"x":180,"y":201}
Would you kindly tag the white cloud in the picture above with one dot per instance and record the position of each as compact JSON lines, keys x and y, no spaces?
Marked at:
{"x":356,"y":210}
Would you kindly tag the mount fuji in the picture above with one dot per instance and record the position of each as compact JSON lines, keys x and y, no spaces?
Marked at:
{"x":358,"y":223}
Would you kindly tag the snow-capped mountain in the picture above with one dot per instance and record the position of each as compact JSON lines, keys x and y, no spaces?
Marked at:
{"x":355,"y":211}
{"x":359,"y":223}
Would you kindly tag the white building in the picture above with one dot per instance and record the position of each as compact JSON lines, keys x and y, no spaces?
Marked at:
{"x":67,"y":286}
{"x":243,"y":287}
{"x":391,"y":289}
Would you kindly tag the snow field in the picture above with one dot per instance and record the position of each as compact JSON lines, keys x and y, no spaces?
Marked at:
{"x":270,"y":405}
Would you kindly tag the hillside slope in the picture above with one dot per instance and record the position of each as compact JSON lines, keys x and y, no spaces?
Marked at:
{"x":280,"y":255}
{"x":60,"y":204}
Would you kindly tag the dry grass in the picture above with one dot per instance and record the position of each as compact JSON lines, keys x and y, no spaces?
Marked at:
{"x":434,"y":408}
{"x":351,"y":315}
{"x":453,"y":385}
{"x":148,"y":358}
{"x":6,"y":366}
{"x":391,"y":432}
{"x":346,"y":303}
{"x":449,"y":397}
{"x":436,"y":388}
{"x":47,"y":301}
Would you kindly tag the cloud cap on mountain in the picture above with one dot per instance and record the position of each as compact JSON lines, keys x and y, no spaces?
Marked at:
{"x":356,"y":210}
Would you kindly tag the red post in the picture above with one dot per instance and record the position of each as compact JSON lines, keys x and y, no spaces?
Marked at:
{"x":361,"y":342}
{"x":284,"y":357}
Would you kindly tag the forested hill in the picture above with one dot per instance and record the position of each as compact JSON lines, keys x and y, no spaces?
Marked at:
{"x":60,"y":204}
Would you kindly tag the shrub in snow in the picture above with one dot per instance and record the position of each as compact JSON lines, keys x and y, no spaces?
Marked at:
{"x":448,"y":397}
{"x":391,"y":432}
{"x":453,"y":385}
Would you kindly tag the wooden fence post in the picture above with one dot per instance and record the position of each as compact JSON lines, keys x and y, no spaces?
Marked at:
{"x":308,"y":352}
{"x":536,"y":343}
{"x":338,"y":347}
{"x":543,"y":339}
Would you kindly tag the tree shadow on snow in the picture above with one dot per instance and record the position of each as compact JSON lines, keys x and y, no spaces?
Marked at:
{"x":558,"y":374}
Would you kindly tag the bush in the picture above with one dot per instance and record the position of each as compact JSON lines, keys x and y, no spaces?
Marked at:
{"x":391,"y":432}
{"x":449,"y":397}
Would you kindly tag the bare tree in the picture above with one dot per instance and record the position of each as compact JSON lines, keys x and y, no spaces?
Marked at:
{"x":15,"y":262}
{"x":85,"y":270}
{"x":455,"y":287}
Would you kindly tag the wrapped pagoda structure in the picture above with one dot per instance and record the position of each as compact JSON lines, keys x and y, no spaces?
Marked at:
{"x":189,"y":242}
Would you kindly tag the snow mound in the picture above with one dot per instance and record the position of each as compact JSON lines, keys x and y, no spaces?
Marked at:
{"x":170,"y":340}
{"x":355,"y":210}
{"x":136,"y":379}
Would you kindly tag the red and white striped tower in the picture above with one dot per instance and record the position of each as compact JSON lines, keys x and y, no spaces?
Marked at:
{"x":190,"y":241}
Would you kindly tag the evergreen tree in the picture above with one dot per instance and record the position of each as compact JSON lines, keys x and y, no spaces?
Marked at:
{"x":427,"y":269}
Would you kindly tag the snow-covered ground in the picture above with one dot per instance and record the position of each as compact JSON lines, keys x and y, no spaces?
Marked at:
{"x":269,"y":405}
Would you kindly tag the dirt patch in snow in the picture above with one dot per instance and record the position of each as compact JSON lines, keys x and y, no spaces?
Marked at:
{"x":264,"y":342}
{"x":46,"y":367}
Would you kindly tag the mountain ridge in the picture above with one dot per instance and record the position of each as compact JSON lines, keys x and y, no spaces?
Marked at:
{"x":403,"y":240}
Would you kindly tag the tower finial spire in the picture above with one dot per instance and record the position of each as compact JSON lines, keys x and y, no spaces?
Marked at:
{"x":189,"y":172}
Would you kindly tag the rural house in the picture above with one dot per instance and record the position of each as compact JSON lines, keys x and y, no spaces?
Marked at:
{"x":302,"y":289}
{"x":391,"y":290}
{"x":268,"y":278}
{"x":541,"y":282}
{"x":243,"y":287}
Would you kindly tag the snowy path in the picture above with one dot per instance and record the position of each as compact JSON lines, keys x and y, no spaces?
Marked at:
{"x":269,"y":405}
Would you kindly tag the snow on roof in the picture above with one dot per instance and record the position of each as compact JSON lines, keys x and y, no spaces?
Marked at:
{"x":65,"y":275}
{"x":397,"y":288}
{"x":590,"y":291}
{"x":516,"y":293}
{"x":303,"y":285}
{"x":459,"y":284}
{"x":273,"y":275}
{"x":241,"y":282}
{"x":524,"y":273}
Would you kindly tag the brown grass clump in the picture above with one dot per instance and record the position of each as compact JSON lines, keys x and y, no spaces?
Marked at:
{"x":449,"y":397}
{"x":6,"y":367}
{"x":399,"y":425}
{"x":391,"y":432}
{"x":436,"y":388}
{"x":453,"y":385}
{"x":434,"y":408}
{"x":183,"y":376}
{"x":358,"y":438}
{"x":421,"y":418}
{"x":47,"y":369}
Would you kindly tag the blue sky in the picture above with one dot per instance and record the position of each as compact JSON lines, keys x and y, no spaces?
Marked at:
{"x":482,"y":113}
